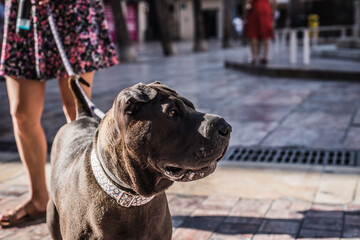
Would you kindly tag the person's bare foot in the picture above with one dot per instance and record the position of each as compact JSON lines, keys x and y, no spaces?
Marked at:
{"x":29,"y":210}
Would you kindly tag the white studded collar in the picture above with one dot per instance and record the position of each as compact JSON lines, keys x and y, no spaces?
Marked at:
{"x":123,"y":198}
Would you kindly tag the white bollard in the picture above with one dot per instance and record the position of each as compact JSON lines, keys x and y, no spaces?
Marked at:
{"x":293,"y":46}
{"x":343,"y":33}
{"x":316,"y":36}
{"x":306,"y":47}
{"x":283,"y":38}
{"x":277,"y":41}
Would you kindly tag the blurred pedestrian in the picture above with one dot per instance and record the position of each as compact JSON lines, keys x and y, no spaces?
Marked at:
{"x":28,"y":60}
{"x":238,"y":26}
{"x":259,"y":27}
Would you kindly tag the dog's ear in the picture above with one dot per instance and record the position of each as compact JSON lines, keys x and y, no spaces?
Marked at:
{"x":139,"y":93}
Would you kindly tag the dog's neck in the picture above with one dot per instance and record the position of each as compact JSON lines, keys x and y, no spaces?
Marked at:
{"x":123,"y":198}
{"x":109,"y":174}
{"x":130,"y":171}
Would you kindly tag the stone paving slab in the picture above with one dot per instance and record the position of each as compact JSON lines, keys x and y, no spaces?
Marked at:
{"x":311,"y":184}
{"x":261,"y":225}
{"x":336,"y":188}
{"x":200,"y":211}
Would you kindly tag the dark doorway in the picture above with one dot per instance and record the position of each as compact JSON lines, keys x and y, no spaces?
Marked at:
{"x":210,"y":18}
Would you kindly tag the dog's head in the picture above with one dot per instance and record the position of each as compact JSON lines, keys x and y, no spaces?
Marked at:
{"x":162,"y":132}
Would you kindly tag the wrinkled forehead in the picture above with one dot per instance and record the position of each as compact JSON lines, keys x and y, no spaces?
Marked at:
{"x":172,"y":95}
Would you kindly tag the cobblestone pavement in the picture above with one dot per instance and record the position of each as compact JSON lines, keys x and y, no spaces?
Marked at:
{"x":234,"y":202}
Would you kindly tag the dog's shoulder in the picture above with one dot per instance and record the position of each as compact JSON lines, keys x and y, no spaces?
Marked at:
{"x":79,"y":128}
{"x":74,"y":137}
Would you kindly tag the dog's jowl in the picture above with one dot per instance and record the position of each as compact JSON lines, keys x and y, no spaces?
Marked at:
{"x":109,"y":175}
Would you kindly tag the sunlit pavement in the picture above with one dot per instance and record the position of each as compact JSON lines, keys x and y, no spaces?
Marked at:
{"x":236,"y":202}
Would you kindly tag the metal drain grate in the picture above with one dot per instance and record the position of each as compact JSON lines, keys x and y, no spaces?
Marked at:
{"x":287,"y":155}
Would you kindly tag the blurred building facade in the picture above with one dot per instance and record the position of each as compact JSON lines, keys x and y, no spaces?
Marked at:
{"x":330,"y":12}
{"x":141,"y":17}
{"x":136,"y":13}
{"x":212,"y":17}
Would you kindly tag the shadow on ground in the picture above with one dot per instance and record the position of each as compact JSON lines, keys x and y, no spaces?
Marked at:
{"x":314,"y":224}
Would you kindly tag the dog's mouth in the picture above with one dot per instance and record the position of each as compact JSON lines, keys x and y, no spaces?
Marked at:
{"x":186,"y":174}
{"x":176,"y":173}
{"x":182,"y":173}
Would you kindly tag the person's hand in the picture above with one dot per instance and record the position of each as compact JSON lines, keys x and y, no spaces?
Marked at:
{"x":248,"y":5}
{"x":42,"y":2}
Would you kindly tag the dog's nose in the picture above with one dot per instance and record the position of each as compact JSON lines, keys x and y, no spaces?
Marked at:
{"x":224,"y":128}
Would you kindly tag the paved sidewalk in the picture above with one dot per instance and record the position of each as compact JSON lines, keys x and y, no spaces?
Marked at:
{"x":234,"y":203}
{"x":218,"y":218}
{"x":320,"y":67}
{"x":239,"y":201}
{"x":263,"y":110}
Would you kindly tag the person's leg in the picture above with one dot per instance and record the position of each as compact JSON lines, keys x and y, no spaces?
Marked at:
{"x":260,"y":47}
{"x":265,"y":44}
{"x":26,"y":98}
{"x":254,"y":49}
{"x":266,"y":48}
{"x":67,"y":97}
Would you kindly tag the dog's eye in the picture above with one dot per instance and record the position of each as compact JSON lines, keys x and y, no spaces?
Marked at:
{"x":172,"y":113}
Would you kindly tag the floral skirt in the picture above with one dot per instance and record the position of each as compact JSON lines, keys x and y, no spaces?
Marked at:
{"x":82,"y":29}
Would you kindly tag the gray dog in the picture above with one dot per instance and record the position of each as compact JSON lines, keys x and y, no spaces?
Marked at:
{"x":109,"y":175}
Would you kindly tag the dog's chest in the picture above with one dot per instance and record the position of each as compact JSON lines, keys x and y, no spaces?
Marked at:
{"x":107,"y":219}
